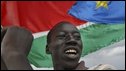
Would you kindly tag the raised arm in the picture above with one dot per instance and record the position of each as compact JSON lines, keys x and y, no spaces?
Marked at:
{"x":15,"y":47}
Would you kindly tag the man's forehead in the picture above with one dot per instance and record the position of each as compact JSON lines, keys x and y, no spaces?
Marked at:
{"x":65,"y":27}
{"x":61,"y":27}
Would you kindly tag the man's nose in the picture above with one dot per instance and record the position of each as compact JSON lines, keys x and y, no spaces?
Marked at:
{"x":71,"y":41}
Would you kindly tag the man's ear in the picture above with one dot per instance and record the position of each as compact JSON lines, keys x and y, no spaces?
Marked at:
{"x":47,"y":49}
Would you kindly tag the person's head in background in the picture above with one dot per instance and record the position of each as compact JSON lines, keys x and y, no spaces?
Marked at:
{"x":65,"y":46}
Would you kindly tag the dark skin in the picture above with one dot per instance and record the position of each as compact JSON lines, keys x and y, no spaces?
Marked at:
{"x":15,"y":46}
{"x":65,"y":45}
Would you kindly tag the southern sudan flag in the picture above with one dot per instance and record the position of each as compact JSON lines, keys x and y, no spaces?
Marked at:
{"x":99,"y":11}
{"x":40,"y":17}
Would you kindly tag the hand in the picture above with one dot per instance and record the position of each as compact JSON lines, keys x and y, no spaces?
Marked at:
{"x":81,"y":66}
{"x":17,"y":40}
{"x":15,"y":46}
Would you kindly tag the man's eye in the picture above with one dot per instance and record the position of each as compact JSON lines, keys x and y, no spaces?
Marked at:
{"x":61,"y":36}
{"x":77,"y":37}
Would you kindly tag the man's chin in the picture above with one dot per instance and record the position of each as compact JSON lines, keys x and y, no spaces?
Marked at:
{"x":70,"y":65}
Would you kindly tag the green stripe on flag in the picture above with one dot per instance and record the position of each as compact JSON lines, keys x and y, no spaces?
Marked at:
{"x":94,"y":37}
{"x":38,"y":56}
{"x":97,"y":36}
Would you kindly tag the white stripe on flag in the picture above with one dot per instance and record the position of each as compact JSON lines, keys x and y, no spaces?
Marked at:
{"x":40,"y":34}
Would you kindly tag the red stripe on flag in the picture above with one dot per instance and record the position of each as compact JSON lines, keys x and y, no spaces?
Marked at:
{"x":36,"y":15}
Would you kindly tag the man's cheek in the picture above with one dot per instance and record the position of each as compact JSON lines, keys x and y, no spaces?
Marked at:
{"x":56,"y":46}
{"x":58,"y":50}
{"x":80,"y":44}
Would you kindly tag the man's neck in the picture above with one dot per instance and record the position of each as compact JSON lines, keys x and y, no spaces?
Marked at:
{"x":58,"y":66}
{"x":61,"y":68}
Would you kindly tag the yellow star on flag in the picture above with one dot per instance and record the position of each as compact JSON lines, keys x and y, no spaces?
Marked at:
{"x":101,"y":4}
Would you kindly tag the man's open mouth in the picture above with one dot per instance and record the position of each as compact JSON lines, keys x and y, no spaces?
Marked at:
{"x":71,"y":53}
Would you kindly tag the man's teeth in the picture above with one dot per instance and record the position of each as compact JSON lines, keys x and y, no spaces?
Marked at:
{"x":71,"y":51}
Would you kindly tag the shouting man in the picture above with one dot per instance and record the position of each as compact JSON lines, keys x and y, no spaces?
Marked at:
{"x":65,"y":45}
